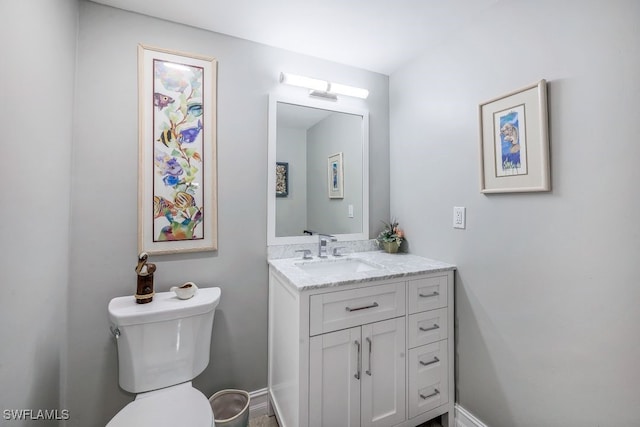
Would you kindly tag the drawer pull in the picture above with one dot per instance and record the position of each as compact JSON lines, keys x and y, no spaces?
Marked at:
{"x":435,"y":360}
{"x":435,"y":294}
{"x":433,"y":328}
{"x":375,"y":304}
{"x":435,"y":393}
{"x":357,"y":374}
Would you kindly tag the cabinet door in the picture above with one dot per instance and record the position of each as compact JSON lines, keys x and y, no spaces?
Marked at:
{"x":383,"y":373}
{"x":334,"y":379}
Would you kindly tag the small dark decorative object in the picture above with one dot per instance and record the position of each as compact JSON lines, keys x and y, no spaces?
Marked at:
{"x":144,"y":290}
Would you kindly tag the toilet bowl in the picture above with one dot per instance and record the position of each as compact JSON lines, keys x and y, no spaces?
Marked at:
{"x":162,"y":346}
{"x":180,"y":405}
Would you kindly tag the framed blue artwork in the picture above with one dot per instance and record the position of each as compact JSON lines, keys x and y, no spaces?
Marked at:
{"x":336,"y":176}
{"x":514,"y":142}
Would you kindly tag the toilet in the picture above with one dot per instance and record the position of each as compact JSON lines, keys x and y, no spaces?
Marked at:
{"x":162,"y":346}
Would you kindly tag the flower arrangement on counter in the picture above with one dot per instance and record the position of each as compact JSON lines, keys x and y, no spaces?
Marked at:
{"x":391,"y":236}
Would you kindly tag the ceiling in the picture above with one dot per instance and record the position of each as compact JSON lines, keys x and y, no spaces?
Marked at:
{"x":376,"y":35}
{"x":299,"y":117}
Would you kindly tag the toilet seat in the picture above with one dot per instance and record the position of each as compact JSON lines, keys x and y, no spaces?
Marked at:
{"x":180,"y":405}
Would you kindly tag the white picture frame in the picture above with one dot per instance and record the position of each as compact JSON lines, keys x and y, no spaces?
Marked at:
{"x":335,"y":174}
{"x":177,"y":185}
{"x":514,"y":142}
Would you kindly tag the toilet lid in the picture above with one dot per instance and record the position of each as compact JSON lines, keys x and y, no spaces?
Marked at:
{"x":180,"y":405}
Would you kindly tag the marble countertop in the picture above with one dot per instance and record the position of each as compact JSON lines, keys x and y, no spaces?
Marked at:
{"x":389,"y":266}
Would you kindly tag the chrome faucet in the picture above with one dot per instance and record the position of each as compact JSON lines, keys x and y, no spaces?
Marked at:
{"x":306,"y":253}
{"x":322,"y":244}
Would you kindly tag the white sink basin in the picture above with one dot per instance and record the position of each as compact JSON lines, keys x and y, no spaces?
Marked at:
{"x":336,"y":266}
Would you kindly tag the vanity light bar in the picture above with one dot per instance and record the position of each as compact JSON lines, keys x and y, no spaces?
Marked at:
{"x":322,"y":87}
{"x":348,"y":90}
{"x":306,"y":82}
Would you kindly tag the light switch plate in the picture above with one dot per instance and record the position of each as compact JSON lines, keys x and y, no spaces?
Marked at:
{"x":459,"y":217}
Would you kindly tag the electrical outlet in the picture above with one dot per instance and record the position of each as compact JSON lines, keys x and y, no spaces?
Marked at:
{"x":459,"y":217}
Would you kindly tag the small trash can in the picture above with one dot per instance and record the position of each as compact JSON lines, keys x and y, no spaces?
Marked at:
{"x":230,"y":408}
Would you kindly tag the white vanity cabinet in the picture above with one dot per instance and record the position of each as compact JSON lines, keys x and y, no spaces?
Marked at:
{"x":374,"y":352}
{"x":357,"y":375}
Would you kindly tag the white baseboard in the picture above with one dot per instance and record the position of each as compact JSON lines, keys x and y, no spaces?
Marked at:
{"x":258,"y":408}
{"x":465,"y":418}
{"x":258,"y":405}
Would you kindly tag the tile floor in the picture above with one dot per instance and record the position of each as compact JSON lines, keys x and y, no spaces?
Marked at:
{"x":263,"y":421}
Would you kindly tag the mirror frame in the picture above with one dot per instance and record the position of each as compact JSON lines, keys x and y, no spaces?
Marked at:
{"x":336,"y":106}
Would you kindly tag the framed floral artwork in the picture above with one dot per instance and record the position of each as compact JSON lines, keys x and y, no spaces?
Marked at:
{"x":282,"y":179}
{"x":336,"y":176}
{"x":514,"y":142}
{"x":177,"y":188}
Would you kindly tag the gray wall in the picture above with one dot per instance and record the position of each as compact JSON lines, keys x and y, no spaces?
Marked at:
{"x":547,"y":291}
{"x":103,"y":230}
{"x":36,"y":83}
{"x":337,"y":133}
{"x":291,"y":211}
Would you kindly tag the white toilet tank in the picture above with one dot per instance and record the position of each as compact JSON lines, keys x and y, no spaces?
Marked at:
{"x":165,"y":342}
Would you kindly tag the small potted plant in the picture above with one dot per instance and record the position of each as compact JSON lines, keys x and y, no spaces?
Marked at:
{"x":391,"y":237}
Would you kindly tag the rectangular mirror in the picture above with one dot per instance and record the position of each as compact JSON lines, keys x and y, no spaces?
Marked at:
{"x":318,"y":171}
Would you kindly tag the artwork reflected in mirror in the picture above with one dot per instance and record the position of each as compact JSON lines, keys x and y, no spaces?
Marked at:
{"x":335,"y":172}
{"x":282,"y":179}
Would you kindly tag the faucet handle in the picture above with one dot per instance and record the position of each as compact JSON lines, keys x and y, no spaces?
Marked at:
{"x":306,"y":253}
{"x":336,"y":251}
{"x":327,"y":237}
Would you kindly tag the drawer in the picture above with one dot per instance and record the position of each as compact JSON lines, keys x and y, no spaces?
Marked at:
{"x":427,"y":327}
{"x":428,"y":377}
{"x":354,"y":307}
{"x":427,"y":294}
